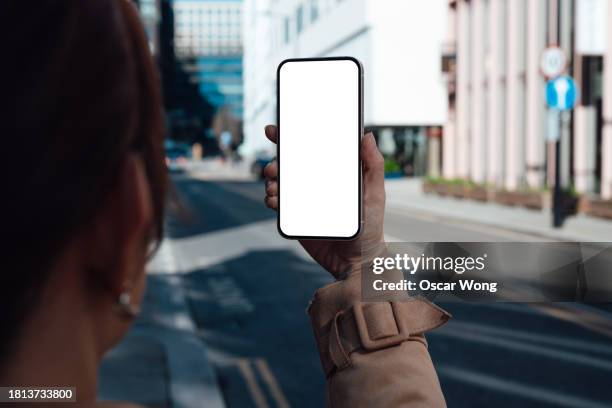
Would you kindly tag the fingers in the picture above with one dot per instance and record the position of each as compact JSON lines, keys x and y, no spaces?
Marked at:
{"x":271,"y":188}
{"x":271,"y":170}
{"x":271,"y":175}
{"x":271,"y":202}
{"x":373,"y":161}
{"x":271,"y":199}
{"x":272,"y":133}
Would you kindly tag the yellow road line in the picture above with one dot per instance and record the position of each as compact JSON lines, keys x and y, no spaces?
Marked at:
{"x":270,"y":380}
{"x":249,"y":376}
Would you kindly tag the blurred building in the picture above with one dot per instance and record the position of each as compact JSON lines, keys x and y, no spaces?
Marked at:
{"x":398,"y":43}
{"x":200,"y":58}
{"x":497,"y":117}
{"x":207,"y":27}
{"x":208,"y":38}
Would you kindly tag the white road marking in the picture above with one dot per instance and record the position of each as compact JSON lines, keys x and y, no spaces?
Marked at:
{"x":583,"y":317}
{"x":551,"y":340}
{"x":522,"y":347}
{"x":487,"y":381}
{"x":228,"y":295}
{"x":217,"y":247}
{"x":164,"y":260}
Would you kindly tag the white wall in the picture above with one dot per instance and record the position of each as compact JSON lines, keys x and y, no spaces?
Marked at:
{"x":407,"y":39}
{"x":259,"y":74}
{"x":398,"y":42}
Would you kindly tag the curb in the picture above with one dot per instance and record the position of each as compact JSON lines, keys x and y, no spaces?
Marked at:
{"x":193,"y":382}
{"x":162,"y":361}
{"x":446,"y":217}
{"x":406,"y":195}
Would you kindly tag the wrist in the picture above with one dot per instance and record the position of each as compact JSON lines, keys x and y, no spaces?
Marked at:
{"x":365,"y":260}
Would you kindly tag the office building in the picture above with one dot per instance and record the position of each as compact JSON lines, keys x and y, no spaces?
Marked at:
{"x":208,"y":44}
{"x":207,"y":27}
{"x":497,"y":129}
{"x":398,"y":43}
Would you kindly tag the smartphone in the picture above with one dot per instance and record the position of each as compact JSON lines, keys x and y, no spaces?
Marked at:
{"x":320,"y":125}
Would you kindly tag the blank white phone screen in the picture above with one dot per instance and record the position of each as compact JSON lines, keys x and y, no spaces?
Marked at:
{"x":319,"y":133}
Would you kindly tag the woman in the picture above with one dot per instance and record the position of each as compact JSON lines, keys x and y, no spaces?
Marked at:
{"x":85,"y":211}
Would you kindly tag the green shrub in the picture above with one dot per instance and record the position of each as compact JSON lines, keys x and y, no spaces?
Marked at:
{"x":391,"y":166}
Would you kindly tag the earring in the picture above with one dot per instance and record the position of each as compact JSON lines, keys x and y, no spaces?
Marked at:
{"x":125,"y":308}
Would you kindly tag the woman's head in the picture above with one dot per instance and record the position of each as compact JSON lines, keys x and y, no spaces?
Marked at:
{"x":82,"y":155}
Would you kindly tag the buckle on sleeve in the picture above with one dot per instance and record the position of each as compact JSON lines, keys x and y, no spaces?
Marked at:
{"x":370,"y":343}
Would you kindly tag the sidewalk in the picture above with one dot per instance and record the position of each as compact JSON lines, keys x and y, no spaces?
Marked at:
{"x":216,"y":169}
{"x":406,"y":195}
{"x":161,"y":362}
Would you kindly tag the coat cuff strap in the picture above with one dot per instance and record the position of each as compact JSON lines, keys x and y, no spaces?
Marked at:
{"x":369,"y":327}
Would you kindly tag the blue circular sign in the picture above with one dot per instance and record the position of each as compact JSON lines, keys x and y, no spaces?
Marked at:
{"x":561,"y":93}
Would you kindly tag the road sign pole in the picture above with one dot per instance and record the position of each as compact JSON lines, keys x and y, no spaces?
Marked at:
{"x":557,"y":198}
{"x":553,"y":134}
{"x":561,"y":96}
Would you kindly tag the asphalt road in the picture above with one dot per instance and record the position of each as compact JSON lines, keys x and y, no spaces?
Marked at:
{"x":248,"y":288}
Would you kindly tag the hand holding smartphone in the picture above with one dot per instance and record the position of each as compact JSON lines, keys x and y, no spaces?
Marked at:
{"x":362,"y":163}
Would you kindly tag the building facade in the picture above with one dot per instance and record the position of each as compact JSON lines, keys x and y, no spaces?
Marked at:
{"x":207,"y":27}
{"x":398,"y":43}
{"x":208,"y":43}
{"x":497,"y":128}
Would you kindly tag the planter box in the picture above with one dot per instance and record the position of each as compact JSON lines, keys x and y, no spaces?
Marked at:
{"x":530,"y":199}
{"x":458,"y":191}
{"x":428,"y":187}
{"x":597,"y":208}
{"x":443,"y":189}
{"x":480,"y":193}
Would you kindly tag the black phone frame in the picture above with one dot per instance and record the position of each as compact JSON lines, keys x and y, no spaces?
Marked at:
{"x":359,"y":136}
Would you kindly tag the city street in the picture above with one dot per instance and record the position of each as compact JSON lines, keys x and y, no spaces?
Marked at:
{"x":145,"y":269}
{"x":247,"y":290}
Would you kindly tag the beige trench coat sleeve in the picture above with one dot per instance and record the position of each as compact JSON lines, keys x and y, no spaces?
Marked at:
{"x":375,"y":354}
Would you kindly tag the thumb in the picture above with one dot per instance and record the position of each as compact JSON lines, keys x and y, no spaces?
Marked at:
{"x":272,"y":133}
{"x":373,"y":163}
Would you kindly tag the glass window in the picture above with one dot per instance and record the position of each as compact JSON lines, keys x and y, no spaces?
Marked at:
{"x":287,"y":26}
{"x":314,"y":10}
{"x":299,"y":19}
